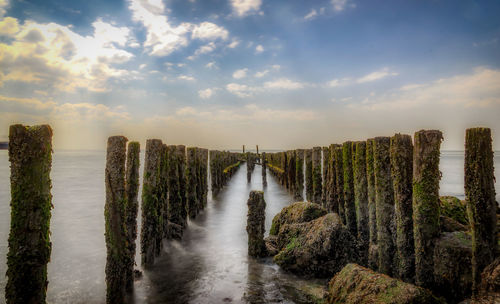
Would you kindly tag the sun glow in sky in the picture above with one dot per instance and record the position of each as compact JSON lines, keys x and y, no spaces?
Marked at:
{"x":222,"y":73}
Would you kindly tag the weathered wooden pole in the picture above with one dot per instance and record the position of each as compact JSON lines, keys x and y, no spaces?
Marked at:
{"x":30,"y":156}
{"x":181,"y":169}
{"x":204,"y":177}
{"x":115,"y":217}
{"x":249,"y":167}
{"x":372,"y":210}
{"x":299,"y":175}
{"x":163,"y":208}
{"x":191,"y":182}
{"x":331,"y":182}
{"x":316,"y":175}
{"x":325,"y":164}
{"x":426,"y":178}
{"x":402,"y":175}
{"x":339,"y":182}
{"x":151,"y":201}
{"x":480,"y":197}
{"x":256,"y":224}
{"x":309,"y":175}
{"x":175,"y":216}
{"x":264,"y":167}
{"x":349,"y":206}
{"x":290,"y":158}
{"x":384,"y":200}
{"x":361,"y":200}
{"x":243,"y":149}
{"x":132,"y":191}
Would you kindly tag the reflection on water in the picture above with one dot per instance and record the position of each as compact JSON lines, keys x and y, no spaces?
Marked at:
{"x":210,"y":264}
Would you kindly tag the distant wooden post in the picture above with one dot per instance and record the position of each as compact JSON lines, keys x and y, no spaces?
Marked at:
{"x":132,"y":190}
{"x":299,"y":175}
{"x":316,"y":175}
{"x":191,"y":182}
{"x":480,"y":197}
{"x":372,"y":210}
{"x":361,"y":200}
{"x":309,"y":175}
{"x":256,"y":224}
{"x":339,"y":182}
{"x":349,"y":206}
{"x":426,"y":176}
{"x":30,"y":156}
{"x":264,"y":176}
{"x":181,"y":169}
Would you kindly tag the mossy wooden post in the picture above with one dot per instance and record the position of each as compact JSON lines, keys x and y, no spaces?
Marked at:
{"x":309,"y":174}
{"x":30,"y":156}
{"x":426,"y":178}
{"x":264,"y":167}
{"x":290,"y":158}
{"x":339,"y":182}
{"x":151,"y":196}
{"x":191,"y":182}
{"x":324,"y":175}
{"x":249,"y":167}
{"x":316,"y":175}
{"x":181,"y":169}
{"x":331,"y":182}
{"x":384,"y":201}
{"x":372,"y":210}
{"x":256,"y":224}
{"x":115,"y":217}
{"x":163,"y":207}
{"x":174,"y":211}
{"x":361,"y":200}
{"x":349,"y":205}
{"x":402,"y":175}
{"x":299,"y":175}
{"x":132,"y":191}
{"x":480,"y":197}
{"x":204,"y":177}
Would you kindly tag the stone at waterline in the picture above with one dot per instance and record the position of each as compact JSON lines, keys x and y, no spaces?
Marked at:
{"x":454,"y":208}
{"x":298,"y":212}
{"x":256,"y":224}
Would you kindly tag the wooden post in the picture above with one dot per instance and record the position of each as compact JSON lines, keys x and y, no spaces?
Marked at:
{"x":309,"y":175}
{"x":191,"y":182}
{"x":361,"y":200}
{"x":299,"y":175}
{"x":264,"y":176}
{"x":316,"y":175}
{"x":256,"y":224}
{"x":132,"y":190}
{"x":349,"y":206}
{"x":339,"y":182}
{"x":372,"y":210}
{"x":30,"y":156}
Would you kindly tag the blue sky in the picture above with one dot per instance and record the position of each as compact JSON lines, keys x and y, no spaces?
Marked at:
{"x":221,"y":73}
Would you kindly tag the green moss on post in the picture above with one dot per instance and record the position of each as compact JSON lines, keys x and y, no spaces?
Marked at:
{"x":132,"y":190}
{"x":290,"y":167}
{"x":309,"y":174}
{"x":402,"y":175}
{"x":30,"y":156}
{"x":361,"y":201}
{"x":163,"y":229}
{"x":349,"y":206}
{"x":316,"y":175}
{"x":181,"y":169}
{"x":175,"y":214}
{"x":480,"y":197}
{"x":115,"y":216}
{"x":325,"y":164}
{"x":151,"y":201}
{"x":339,"y":183}
{"x":264,"y":168}
{"x":384,"y":201}
{"x":331,"y":182}
{"x":191,"y":182}
{"x":256,"y":224}
{"x":372,"y":210}
{"x":299,"y":174}
{"x":426,"y":178}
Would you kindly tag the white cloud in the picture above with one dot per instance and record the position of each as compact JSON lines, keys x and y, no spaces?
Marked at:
{"x":241,"y":73}
{"x":283,"y":83}
{"x":338,"y":82}
{"x":240,"y":90}
{"x":376,"y":75}
{"x":243,"y":90}
{"x":245,"y":7}
{"x":259,"y":49}
{"x":211,"y":65}
{"x":204,"y":49}
{"x":233,"y":44}
{"x":339,"y":5}
{"x":261,"y":74}
{"x":8,"y":26}
{"x":209,"y":31}
{"x":313,"y":14}
{"x":3,"y":7}
{"x":186,"y":78}
{"x":207,"y":93}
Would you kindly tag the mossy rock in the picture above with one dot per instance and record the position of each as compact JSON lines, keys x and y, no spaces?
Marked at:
{"x":319,"y":248}
{"x":360,"y":285}
{"x":447,"y":224}
{"x":454,"y":208}
{"x":296,"y":213}
{"x":490,"y":279}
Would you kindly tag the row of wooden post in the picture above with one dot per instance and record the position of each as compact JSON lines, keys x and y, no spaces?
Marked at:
{"x":386,"y":190}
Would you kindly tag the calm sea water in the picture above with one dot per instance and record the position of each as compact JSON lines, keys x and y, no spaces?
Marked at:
{"x":210,"y":264}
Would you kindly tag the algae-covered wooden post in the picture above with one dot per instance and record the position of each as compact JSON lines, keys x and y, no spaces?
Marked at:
{"x":30,"y":156}
{"x":324,"y":174}
{"x":264,"y":167}
{"x":299,"y":175}
{"x":480,"y":197}
{"x":339,"y":182}
{"x":309,"y":174}
{"x":114,"y":214}
{"x":402,"y":175}
{"x":331,"y":180}
{"x":175,"y":216}
{"x":426,"y":178}
{"x":256,"y":223}
{"x":290,"y":167}
{"x":361,"y":200}
{"x":316,"y":175}
{"x":384,"y":201}
{"x":151,"y":195}
{"x":191,"y":182}
{"x":349,"y":206}
{"x":181,"y":169}
{"x":249,"y":167}
{"x":131,"y":190}
{"x":372,"y":211}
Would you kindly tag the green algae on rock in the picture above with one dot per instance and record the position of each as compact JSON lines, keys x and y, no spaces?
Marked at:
{"x":298,"y":212}
{"x":454,"y":208}
{"x":30,"y":156}
{"x":256,"y":224}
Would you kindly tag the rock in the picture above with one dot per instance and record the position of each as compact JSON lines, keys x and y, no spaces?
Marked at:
{"x":447,"y":224}
{"x":317,"y":248}
{"x":357,"y":284}
{"x":272,"y":245}
{"x":452,"y":266}
{"x":454,"y":208}
{"x":296,"y":213}
{"x":490,"y":278}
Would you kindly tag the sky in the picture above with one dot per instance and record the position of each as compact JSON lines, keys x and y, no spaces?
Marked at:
{"x":222,"y":73}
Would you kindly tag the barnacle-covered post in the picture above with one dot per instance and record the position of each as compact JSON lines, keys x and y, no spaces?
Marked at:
{"x":426,"y":178}
{"x":339,"y":182}
{"x":325,"y":164}
{"x":174,"y":211}
{"x":256,"y":224}
{"x":384,"y":200}
{"x":402,"y":175}
{"x":309,"y":174}
{"x":349,"y":206}
{"x":331,"y":182}
{"x":372,"y":211}
{"x":290,"y":167}
{"x":30,"y":156}
{"x":117,"y":258}
{"x":181,"y":169}
{"x":299,"y":175}
{"x":263,"y":161}
{"x":151,"y":201}
{"x":191,"y":182}
{"x":249,"y":167}
{"x":132,"y":190}
{"x":316,"y":175}
{"x":480,"y":197}
{"x":361,"y":200}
